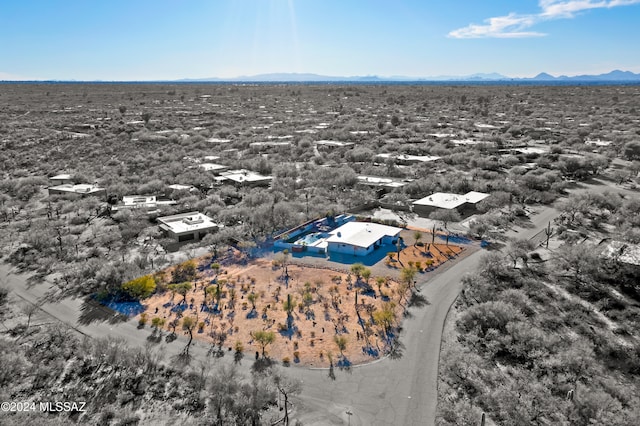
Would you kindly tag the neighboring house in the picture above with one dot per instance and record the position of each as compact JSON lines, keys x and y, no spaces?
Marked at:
{"x":179,"y":187}
{"x":445,"y":201}
{"x":192,"y":226}
{"x":213,"y":167}
{"x":84,"y":190}
{"x":269,"y":146}
{"x":244,"y":178}
{"x":331,"y":145}
{"x":149,"y":202}
{"x":374,"y":181}
{"x":409,"y":159}
{"x":62,"y":179}
{"x":380,"y":184}
{"x":361,"y":238}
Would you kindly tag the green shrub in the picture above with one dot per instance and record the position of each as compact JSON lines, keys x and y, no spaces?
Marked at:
{"x":140,"y":288}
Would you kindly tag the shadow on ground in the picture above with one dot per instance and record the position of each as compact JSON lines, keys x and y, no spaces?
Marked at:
{"x":92,"y":311}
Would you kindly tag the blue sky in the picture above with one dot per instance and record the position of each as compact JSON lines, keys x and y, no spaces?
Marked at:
{"x":172,"y":39}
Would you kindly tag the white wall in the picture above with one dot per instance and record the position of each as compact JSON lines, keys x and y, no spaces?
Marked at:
{"x":349,"y":249}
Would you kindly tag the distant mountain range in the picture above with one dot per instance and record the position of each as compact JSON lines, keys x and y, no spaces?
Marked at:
{"x":613,"y":76}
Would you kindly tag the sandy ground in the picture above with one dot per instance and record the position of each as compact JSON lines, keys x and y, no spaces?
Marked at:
{"x":330,"y":309}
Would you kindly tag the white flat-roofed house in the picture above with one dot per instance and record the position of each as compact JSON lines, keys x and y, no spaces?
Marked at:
{"x":244,"y":178}
{"x":382,"y":185}
{"x":61,"y":179}
{"x":409,"y":159}
{"x":179,"y":187}
{"x":81,"y":189}
{"x":213,"y":167}
{"x":149,"y":202}
{"x":380,"y":181}
{"x":361,"y":238}
{"x":447,"y":201}
{"x":192,"y":226}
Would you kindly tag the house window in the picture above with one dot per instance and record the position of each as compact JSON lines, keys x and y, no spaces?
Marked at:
{"x":186,"y":237}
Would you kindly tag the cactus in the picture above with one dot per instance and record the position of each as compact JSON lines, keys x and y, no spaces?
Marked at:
{"x":548,"y":232}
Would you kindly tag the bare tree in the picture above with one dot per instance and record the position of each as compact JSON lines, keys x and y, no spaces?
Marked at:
{"x":287,"y":388}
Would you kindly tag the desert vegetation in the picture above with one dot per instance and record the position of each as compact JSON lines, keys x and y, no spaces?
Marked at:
{"x":526,"y":327}
{"x":555,"y":341}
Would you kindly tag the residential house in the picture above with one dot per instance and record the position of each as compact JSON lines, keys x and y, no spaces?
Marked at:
{"x":446,"y":201}
{"x":192,"y":226}
{"x":361,"y":238}
{"x":81,"y":189}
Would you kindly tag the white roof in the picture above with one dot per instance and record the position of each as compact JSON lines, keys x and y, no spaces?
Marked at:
{"x":333,"y":143}
{"x":180,"y":187}
{"x":212,"y":167}
{"x":138,"y":199}
{"x":80,"y":188}
{"x":61,"y":177}
{"x":361,"y":234}
{"x":530,"y":150}
{"x":143,"y":201}
{"x":186,"y":222}
{"x":374,"y":179}
{"x":445,"y":200}
{"x":407,"y":157}
{"x":380,"y":181}
{"x":243,"y":176}
{"x":270,"y":143}
{"x":475,"y":197}
{"x":596,"y":142}
{"x":484,"y":126}
{"x":469,"y":142}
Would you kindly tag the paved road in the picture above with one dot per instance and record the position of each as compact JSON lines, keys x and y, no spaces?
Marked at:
{"x":87,"y":319}
{"x":388,"y":392}
{"x":403,"y":391}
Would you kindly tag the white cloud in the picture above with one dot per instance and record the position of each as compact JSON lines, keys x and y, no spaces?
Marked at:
{"x":513,"y":25}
